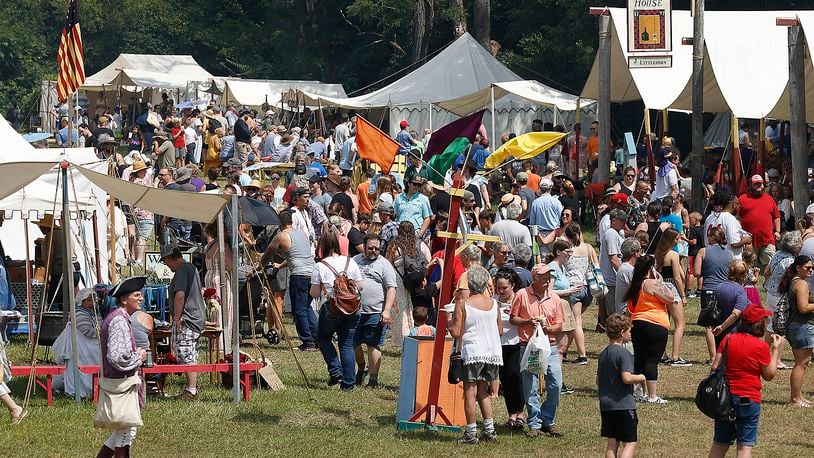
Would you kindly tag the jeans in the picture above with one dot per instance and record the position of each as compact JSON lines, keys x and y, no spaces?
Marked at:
{"x":542,"y":415}
{"x":304,"y":317}
{"x":344,"y":326}
{"x":744,"y":428}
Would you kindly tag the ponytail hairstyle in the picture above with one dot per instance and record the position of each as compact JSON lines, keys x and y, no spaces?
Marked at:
{"x":641,"y":270}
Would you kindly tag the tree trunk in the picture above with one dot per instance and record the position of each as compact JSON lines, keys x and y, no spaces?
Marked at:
{"x":424,"y":14}
{"x":481,"y":22}
{"x":458,"y":17}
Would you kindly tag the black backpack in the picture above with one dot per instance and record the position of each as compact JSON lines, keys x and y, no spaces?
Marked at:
{"x":213,"y":125}
{"x":416,"y":263}
{"x":712,"y":396}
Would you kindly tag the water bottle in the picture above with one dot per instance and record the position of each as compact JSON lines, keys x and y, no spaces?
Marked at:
{"x":149,"y":361}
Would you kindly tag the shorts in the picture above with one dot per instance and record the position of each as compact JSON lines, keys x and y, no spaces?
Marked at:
{"x":583,"y":296}
{"x":621,"y":425}
{"x":370,"y":330}
{"x":480,"y":372}
{"x":744,"y":428}
{"x":185,"y":345}
{"x":800,"y":335}
{"x":609,"y":300}
{"x":690,"y":270}
{"x":763,"y":255}
{"x":771,"y":305}
{"x":568,"y":322}
{"x":144,"y":229}
{"x":180,"y":152}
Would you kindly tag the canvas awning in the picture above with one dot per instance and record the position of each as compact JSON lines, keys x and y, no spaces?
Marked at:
{"x":15,"y":175}
{"x":530,"y":90}
{"x":178,"y":204}
{"x":254,"y":93}
{"x":147,"y":71}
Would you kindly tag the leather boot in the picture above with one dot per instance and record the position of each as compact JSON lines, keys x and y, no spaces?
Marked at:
{"x":121,"y":452}
{"x":127,"y":451}
{"x":105,"y":452}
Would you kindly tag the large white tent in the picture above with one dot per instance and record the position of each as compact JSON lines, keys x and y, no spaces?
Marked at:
{"x":746,"y":66}
{"x":147,"y":71}
{"x":462,"y":69}
{"x":254,"y":93}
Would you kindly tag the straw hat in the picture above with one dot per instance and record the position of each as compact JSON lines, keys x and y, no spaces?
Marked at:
{"x":47,"y":221}
{"x":138,"y":166}
{"x":209,"y":113}
{"x":254,"y":184}
{"x":507,"y":199}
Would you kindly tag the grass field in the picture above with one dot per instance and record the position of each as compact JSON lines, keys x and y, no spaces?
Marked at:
{"x":362,"y":423}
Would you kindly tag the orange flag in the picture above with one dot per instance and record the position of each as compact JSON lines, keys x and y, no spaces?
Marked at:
{"x":375,"y":145}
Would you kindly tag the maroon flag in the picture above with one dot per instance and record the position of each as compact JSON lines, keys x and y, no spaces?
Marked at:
{"x":466,"y":127}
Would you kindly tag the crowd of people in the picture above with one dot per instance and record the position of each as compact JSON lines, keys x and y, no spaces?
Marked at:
{"x":380,"y":237}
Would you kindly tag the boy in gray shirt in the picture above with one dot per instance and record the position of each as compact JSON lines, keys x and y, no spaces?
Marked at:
{"x":630,"y":250}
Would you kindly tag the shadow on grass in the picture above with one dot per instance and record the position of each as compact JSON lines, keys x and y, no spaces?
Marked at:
{"x":257,"y":417}
{"x":386,"y":420}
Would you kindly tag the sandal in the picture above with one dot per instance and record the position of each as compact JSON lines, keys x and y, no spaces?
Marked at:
{"x":803,"y":403}
{"x":19,"y":418}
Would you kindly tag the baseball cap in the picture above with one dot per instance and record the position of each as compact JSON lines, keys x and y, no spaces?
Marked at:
{"x":618,"y":198}
{"x":546,"y":183}
{"x":753,"y":313}
{"x":522,"y":176}
{"x":540,"y":269}
{"x":756,"y":179}
{"x":385,"y":207}
{"x":617,"y":213}
{"x":404,"y":124}
{"x":315,"y":179}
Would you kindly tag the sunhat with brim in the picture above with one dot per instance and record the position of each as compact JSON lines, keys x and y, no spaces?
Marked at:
{"x":138,"y":166}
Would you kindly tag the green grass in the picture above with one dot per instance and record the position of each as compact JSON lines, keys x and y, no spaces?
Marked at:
{"x":362,"y":423}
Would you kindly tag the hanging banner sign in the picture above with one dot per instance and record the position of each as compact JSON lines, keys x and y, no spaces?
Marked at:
{"x":649,"y":25}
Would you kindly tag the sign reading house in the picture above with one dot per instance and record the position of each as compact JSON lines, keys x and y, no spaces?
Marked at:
{"x":649,"y":24}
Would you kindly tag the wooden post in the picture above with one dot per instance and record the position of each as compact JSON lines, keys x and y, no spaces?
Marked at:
{"x":111,"y":210}
{"x":604,"y":97}
{"x":96,"y":251}
{"x":797,"y":107}
{"x":648,"y":141}
{"x":697,"y":154}
{"x":28,"y":292}
{"x":761,"y":145}
{"x":235,"y":307}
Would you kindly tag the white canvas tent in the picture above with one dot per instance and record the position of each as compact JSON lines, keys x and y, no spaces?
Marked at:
{"x":254,"y":93}
{"x":463,"y":68}
{"x":147,"y":71}
{"x":745,"y":66}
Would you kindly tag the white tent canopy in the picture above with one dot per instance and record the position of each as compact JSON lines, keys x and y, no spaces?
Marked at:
{"x":254,"y":93}
{"x":746,"y":66}
{"x":148,"y":71}
{"x":530,"y":90}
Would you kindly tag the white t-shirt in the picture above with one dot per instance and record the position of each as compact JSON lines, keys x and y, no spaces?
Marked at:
{"x":322,"y":274}
{"x":604,"y":225}
{"x":731,"y":227}
{"x":664,"y":185}
{"x":611,"y":247}
{"x":190,"y":135}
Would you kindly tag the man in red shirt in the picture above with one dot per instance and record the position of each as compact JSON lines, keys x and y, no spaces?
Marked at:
{"x":760,"y":217}
{"x":539,"y":303}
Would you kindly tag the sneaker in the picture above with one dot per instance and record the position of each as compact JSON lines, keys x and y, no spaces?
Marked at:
{"x":188,"y":396}
{"x":656,"y":400}
{"x":488,"y":436}
{"x":470,"y":439}
{"x":534,"y":433}
{"x":639,"y":398}
{"x":519,"y":424}
{"x":306,"y":347}
{"x":334,"y":380}
{"x":692,"y":295}
{"x":581,"y":361}
{"x":361,"y":374}
{"x":552,"y":430}
{"x":680,"y":362}
{"x":372,"y":384}
{"x":346,"y":389}
{"x":566,"y":389}
{"x":665,"y":360}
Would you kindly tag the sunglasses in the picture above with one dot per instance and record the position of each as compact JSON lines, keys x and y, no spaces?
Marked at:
{"x":415,"y":184}
{"x":631,"y":176}
{"x":275,"y":178}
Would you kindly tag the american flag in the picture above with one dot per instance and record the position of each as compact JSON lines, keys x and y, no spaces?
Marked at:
{"x":71,"y":65}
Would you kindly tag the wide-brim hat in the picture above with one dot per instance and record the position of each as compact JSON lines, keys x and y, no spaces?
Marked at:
{"x":138,"y":166}
{"x":47,"y":221}
{"x":105,"y":139}
{"x":507,"y":199}
{"x":128,"y":286}
{"x":335,"y":179}
{"x":183,"y":174}
{"x":254,"y":184}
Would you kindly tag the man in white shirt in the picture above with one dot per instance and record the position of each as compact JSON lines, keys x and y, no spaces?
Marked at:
{"x":667,"y":177}
{"x":610,"y":255}
{"x":723,"y":209}
{"x":300,"y":216}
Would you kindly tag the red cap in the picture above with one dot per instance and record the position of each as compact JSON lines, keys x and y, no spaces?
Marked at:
{"x":753,"y":313}
{"x":404,"y":124}
{"x":619,"y":198}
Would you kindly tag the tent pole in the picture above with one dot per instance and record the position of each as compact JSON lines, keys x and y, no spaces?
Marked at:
{"x":430,"y":118}
{"x":492,"y":94}
{"x":665,"y":123}
{"x":697,"y":155}
{"x":761,"y":145}
{"x":28,"y":292}
{"x":797,"y":107}
{"x":235,"y":309}
{"x":737,"y":160}
{"x":648,"y":139}
{"x":96,"y":251}
{"x":223,"y":291}
{"x":111,"y":209}
{"x":67,"y":276}
{"x":604,"y":97}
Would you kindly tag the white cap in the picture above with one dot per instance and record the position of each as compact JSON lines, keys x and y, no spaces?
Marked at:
{"x":810,"y":209}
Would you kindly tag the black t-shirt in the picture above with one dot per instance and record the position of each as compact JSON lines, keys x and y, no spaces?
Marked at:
{"x":211,"y":186}
{"x":355,"y":237}
{"x":440,"y":202}
{"x":695,"y":233}
{"x":346,"y":202}
{"x":424,"y":297}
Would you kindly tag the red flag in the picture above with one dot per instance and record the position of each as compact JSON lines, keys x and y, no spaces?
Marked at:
{"x":70,"y":56}
{"x":375,"y":145}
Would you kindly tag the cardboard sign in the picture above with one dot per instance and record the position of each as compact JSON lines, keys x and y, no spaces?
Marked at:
{"x":649,"y":25}
{"x":161,"y":270}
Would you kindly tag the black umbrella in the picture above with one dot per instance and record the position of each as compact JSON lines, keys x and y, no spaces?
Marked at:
{"x":257,"y":213}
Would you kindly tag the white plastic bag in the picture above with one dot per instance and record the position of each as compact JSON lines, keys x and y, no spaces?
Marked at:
{"x":538,"y":350}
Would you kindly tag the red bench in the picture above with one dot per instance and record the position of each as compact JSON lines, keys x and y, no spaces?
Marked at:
{"x":47,"y":371}
{"x":245,"y":372}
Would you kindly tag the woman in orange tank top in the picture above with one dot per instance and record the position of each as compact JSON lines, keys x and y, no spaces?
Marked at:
{"x":647,"y":301}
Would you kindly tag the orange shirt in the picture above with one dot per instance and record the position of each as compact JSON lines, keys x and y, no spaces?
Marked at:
{"x":534,"y":182}
{"x":649,"y":308}
{"x":365,"y":206}
{"x":593,"y":147}
{"x":527,"y":305}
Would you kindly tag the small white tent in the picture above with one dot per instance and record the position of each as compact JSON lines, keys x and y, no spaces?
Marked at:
{"x":254,"y":93}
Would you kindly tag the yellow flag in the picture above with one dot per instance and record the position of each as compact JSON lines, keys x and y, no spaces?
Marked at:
{"x":525,"y":146}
